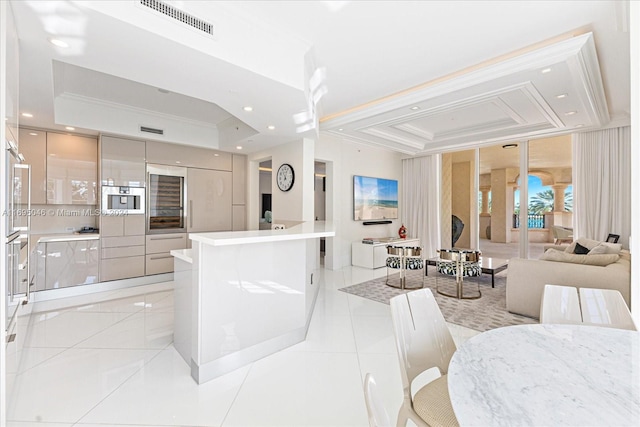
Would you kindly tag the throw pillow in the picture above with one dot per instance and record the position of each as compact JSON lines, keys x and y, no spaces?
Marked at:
{"x":599,"y":260}
{"x":612,"y":248}
{"x":580,"y":250}
{"x":600,"y":249}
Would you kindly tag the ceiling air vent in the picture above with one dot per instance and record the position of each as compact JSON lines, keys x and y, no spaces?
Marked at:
{"x":178,"y":15}
{"x":151,"y":130}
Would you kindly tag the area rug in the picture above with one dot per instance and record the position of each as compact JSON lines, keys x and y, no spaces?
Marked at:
{"x":487,"y":312}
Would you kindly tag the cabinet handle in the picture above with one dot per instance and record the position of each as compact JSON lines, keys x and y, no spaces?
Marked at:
{"x":190,"y":213}
{"x":160,"y":257}
{"x":167,"y":238}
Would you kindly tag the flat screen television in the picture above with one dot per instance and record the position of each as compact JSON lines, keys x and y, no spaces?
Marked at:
{"x":374,"y":198}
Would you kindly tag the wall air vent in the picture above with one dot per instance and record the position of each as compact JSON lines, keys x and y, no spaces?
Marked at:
{"x":178,"y":15}
{"x":151,"y":130}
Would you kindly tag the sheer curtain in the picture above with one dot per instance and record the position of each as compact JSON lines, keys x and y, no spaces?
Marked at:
{"x":602,"y":184}
{"x":420,"y":204}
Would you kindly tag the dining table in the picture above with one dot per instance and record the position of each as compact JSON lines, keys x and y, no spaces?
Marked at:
{"x":547,"y":375}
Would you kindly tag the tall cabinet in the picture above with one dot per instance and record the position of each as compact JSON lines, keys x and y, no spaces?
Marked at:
{"x":209,"y":200}
{"x":122,"y":237}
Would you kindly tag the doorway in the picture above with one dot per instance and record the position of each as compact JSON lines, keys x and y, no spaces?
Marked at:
{"x":320,"y":200}
{"x":264,"y":188}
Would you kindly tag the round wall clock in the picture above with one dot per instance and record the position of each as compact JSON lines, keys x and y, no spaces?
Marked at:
{"x":285,"y":177}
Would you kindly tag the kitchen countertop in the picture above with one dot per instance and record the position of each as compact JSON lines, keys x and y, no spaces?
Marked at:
{"x":306,"y":230}
{"x":63,"y":237}
{"x":183,"y":254}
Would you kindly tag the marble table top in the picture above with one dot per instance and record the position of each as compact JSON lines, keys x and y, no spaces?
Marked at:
{"x":547,"y":375}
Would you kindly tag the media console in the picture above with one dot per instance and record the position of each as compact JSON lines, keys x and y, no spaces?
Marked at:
{"x":374,"y":255}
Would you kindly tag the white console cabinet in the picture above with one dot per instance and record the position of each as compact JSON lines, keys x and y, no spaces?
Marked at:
{"x":375,"y":255}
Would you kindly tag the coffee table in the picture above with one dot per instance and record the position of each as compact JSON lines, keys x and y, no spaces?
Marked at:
{"x":489,"y":266}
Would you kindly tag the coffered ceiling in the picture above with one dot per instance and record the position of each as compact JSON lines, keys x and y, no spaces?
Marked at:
{"x":414,"y":77}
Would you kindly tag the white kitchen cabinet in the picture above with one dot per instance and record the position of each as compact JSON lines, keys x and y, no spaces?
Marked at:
{"x":71,"y":169}
{"x":122,"y":162}
{"x":209,"y":195}
{"x":159,"y":247}
{"x":239,"y":222}
{"x":122,"y":225}
{"x":122,"y":257}
{"x":123,"y":246}
{"x":239,"y":179}
{"x":33,"y":146}
{"x":71,"y":263}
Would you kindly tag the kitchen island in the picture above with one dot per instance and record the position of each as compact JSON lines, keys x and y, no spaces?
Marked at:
{"x":240,"y":296}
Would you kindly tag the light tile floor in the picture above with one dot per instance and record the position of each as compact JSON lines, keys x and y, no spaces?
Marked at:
{"x":108,"y":359}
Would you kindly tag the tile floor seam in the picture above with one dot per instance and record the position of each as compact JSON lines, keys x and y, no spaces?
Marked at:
{"x":102,"y":330}
{"x":120,"y":385}
{"x":226,"y":415}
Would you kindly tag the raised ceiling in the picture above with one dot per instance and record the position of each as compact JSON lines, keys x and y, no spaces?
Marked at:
{"x":472,"y":68}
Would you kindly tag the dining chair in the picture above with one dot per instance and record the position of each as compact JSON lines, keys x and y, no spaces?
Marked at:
{"x":378,"y":416}
{"x":423,"y":341}
{"x":605,"y":307}
{"x":560,"y":304}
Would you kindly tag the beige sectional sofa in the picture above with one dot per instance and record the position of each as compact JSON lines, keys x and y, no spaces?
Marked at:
{"x":526,"y":277}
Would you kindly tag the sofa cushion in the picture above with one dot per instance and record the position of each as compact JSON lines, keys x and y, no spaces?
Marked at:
{"x":611,"y":248}
{"x":599,"y":259}
{"x":580,"y":250}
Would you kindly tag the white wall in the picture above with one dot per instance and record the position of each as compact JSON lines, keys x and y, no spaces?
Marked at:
{"x":294,"y":205}
{"x":344,"y":160}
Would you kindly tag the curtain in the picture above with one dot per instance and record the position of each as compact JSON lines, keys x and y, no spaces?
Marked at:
{"x":420,"y":204}
{"x":602,"y":184}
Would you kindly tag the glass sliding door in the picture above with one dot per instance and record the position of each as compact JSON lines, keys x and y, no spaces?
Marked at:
{"x":550,"y":192}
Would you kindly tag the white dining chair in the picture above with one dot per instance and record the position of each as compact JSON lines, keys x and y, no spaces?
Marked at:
{"x":560,"y":304}
{"x":605,"y":307}
{"x":423,"y":341}
{"x":378,"y":416}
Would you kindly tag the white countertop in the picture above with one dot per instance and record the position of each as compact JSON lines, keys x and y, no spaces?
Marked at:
{"x":183,"y":254}
{"x":68,"y":237}
{"x":552,"y":375}
{"x":306,"y":230}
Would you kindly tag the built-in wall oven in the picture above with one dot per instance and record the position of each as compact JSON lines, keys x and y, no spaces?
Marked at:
{"x":118,"y":200}
{"x":166,"y":199}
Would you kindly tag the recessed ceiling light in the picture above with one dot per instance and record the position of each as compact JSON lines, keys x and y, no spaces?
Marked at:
{"x":27,"y":115}
{"x":271,"y":127}
{"x":562,"y":95}
{"x":248,"y":108}
{"x":546,"y":70}
{"x":33,"y":134}
{"x":510,"y":146}
{"x":58,"y":42}
{"x":239,"y":147}
{"x":340,"y":130}
{"x":70,"y":128}
{"x":570,"y":113}
{"x":178,"y":161}
{"x":580,"y":125}
{"x":415,"y":107}
{"x":53,"y":154}
{"x":216,"y":155}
